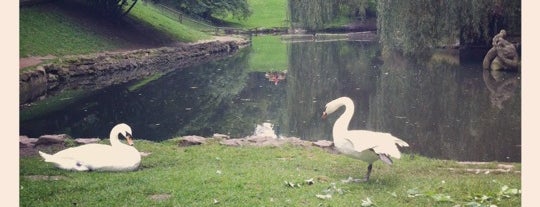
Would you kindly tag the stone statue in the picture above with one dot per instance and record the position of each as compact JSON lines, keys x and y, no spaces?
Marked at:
{"x":502,"y":55}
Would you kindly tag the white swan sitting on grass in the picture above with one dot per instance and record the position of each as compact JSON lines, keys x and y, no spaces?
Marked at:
{"x":365,"y":145}
{"x":99,"y":157}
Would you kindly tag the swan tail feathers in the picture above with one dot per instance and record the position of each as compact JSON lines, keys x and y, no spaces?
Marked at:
{"x":47,"y":157}
{"x":388,"y":151}
{"x":401,"y":143}
{"x":386,"y":159}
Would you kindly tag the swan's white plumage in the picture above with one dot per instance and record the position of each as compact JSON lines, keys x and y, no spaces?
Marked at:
{"x":100,"y":157}
{"x":365,"y":145}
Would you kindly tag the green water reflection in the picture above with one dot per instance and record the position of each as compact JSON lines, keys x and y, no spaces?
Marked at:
{"x":441,"y":106}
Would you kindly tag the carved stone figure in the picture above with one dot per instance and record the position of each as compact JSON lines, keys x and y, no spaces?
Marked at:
{"x":502,"y":56}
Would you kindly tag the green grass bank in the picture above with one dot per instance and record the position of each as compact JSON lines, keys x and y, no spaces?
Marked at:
{"x":213,"y":174}
{"x":265,"y":14}
{"x":63,"y":28}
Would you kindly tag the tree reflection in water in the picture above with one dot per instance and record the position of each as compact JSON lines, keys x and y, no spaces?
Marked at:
{"x":442,"y":107}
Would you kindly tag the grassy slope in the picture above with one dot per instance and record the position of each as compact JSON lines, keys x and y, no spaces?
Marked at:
{"x":249,"y":176}
{"x":152,"y":16}
{"x":47,"y":29}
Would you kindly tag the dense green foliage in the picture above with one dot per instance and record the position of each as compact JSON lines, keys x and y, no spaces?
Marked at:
{"x":210,"y":9}
{"x":318,"y":14}
{"x":417,"y":25}
{"x":112,"y":8}
{"x":213,"y":174}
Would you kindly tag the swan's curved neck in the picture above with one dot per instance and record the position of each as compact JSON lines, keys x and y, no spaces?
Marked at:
{"x":342,"y":123}
{"x":115,"y":141}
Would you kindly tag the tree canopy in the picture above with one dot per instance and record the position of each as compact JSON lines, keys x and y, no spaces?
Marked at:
{"x":416,"y":25}
{"x":112,"y":7}
{"x":317,"y":14}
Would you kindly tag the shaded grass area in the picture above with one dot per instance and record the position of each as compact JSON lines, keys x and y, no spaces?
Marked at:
{"x":152,"y":16}
{"x":265,"y":14}
{"x":46,"y":30}
{"x":213,"y":174}
{"x":68,"y":28}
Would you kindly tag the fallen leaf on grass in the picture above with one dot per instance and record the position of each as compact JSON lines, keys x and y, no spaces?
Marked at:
{"x":442,"y":198}
{"x":326,"y":196}
{"x":145,"y":154}
{"x":350,"y":179}
{"x":292,"y":185}
{"x":414,"y":192}
{"x":367,"y":202}
{"x":310,"y":181}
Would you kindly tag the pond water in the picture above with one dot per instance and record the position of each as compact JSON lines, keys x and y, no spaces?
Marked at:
{"x":444,"y":106}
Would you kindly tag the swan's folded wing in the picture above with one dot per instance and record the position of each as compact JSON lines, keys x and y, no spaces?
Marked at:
{"x":360,"y":145}
{"x":381,"y":143}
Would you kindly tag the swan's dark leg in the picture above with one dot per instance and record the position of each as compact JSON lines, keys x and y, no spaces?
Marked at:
{"x":366,"y":178}
{"x":368,"y":172}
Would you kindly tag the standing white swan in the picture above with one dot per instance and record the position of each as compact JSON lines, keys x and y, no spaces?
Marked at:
{"x":99,"y":157}
{"x":361,"y":144}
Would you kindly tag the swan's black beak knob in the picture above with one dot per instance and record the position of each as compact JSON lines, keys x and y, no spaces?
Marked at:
{"x":324,"y":115}
{"x":129,"y":139}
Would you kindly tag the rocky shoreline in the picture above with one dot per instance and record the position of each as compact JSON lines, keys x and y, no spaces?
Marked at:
{"x":54,"y":143}
{"x":95,"y":71}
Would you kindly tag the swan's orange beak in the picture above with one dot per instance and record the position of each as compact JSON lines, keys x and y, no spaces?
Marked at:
{"x":324,"y":115}
{"x":129,"y":139}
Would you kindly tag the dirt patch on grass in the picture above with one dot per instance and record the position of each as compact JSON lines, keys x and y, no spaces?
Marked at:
{"x":46,"y":177}
{"x":31,"y":61}
{"x":483,"y":168}
{"x":160,"y":197}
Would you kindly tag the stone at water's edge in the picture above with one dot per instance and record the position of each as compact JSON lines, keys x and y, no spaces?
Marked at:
{"x":29,"y":146}
{"x":52,"y":139}
{"x":49,"y":143}
{"x":191,"y":140}
{"x":97,"y":71}
{"x":323,"y":143}
{"x":87,"y":140}
{"x":25,"y":142}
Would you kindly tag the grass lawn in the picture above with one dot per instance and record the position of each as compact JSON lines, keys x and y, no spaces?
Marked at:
{"x":152,"y":16}
{"x":45,"y":30}
{"x":265,"y":14}
{"x":58,"y":30}
{"x":212,"y":174}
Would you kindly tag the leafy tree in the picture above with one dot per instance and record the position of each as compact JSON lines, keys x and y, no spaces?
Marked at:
{"x":359,"y":9}
{"x":312,"y":14}
{"x":412,"y":26}
{"x":318,"y":14}
{"x":112,"y":7}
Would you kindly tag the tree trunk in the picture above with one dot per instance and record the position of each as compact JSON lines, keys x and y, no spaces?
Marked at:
{"x":130,"y":7}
